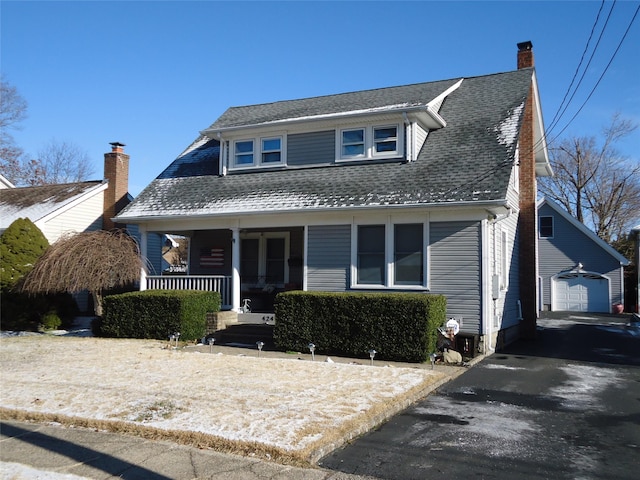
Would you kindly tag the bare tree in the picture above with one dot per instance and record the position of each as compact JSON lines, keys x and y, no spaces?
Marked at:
{"x":594,"y":183}
{"x":13,"y":110}
{"x":95,"y":261}
{"x":62,"y":162}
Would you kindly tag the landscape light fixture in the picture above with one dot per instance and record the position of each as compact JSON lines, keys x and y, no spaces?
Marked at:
{"x":260,"y":345}
{"x":211,"y":342}
{"x":312,"y":349}
{"x":372,"y":353}
{"x":432,"y":357}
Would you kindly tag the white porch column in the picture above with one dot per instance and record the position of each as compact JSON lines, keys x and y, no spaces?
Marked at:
{"x":142,"y":229}
{"x":235,"y":269}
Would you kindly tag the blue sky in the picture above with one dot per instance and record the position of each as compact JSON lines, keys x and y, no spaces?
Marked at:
{"x":153,"y":74}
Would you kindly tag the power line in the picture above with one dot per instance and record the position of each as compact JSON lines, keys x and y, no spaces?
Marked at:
{"x":613,"y":56}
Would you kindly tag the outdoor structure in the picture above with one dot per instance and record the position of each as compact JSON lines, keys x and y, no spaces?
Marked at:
{"x":429,"y":187}
{"x":579,"y":272}
{"x":60,"y":209}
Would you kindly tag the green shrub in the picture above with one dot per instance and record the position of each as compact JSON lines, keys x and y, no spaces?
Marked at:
{"x":51,"y":321}
{"x":21,"y":245}
{"x":157,"y":314}
{"x":399,"y":326}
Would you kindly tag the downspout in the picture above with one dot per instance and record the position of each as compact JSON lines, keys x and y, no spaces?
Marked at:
{"x":222,"y":167}
{"x":408,"y":137}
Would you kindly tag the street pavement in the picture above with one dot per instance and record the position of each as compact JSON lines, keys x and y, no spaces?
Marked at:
{"x":564,"y":406}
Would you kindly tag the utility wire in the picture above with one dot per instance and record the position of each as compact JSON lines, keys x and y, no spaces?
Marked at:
{"x":575,"y":74}
{"x":602,"y":75}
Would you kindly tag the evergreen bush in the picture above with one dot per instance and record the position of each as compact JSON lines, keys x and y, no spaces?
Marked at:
{"x":399,"y":326}
{"x":157,"y":314}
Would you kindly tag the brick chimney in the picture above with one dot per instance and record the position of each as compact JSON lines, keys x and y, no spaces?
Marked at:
{"x":528,"y":215}
{"x":116,"y":172}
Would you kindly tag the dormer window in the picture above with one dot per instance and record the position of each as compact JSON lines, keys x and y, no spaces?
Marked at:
{"x":245,"y":154}
{"x":385,"y":139}
{"x":353,"y":143}
{"x":369,"y":142}
{"x":271,"y":150}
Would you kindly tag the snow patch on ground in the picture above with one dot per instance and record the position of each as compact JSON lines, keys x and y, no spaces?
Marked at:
{"x":17,"y":471}
{"x":285,"y":403}
{"x":585,"y":382}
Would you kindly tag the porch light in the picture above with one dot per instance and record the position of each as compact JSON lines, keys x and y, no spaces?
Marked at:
{"x":372,"y":353}
{"x":260,"y":345}
{"x":211,"y":342}
{"x":312,"y":349}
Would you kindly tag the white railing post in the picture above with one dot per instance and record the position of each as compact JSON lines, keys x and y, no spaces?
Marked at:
{"x":143,"y":255}
{"x":235,"y":269}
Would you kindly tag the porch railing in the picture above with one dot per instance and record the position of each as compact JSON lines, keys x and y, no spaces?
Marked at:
{"x":210,"y":283}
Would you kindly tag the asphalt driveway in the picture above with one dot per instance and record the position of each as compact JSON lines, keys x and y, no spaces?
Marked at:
{"x":565,"y":406}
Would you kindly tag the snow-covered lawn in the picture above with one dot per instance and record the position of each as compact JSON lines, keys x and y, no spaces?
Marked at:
{"x":298,"y":407}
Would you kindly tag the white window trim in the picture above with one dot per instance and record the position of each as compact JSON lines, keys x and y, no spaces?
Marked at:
{"x":389,"y":281}
{"x":257,"y":152}
{"x":369,"y":142}
{"x":262,"y":251}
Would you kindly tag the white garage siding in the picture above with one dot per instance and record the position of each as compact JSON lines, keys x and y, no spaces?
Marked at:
{"x":580,"y":292}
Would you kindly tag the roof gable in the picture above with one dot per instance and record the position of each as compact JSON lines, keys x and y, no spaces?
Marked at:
{"x":36,"y":203}
{"x":583,"y":229}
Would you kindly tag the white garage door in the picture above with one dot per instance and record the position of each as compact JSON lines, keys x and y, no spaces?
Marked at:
{"x":580,"y":292}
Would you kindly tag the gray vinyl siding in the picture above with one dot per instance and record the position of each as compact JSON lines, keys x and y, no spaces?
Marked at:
{"x":154,"y":248}
{"x":568,"y":247}
{"x":328,"y":258}
{"x":455,"y":269}
{"x":311,"y":148}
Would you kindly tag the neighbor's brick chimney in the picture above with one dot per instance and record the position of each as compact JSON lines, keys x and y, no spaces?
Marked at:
{"x":528,"y":215}
{"x":116,"y":172}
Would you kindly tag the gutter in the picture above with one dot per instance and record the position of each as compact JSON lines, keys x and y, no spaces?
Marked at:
{"x":494,"y":206}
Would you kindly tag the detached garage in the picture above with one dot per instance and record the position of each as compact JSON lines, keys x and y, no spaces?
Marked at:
{"x":579,"y":272}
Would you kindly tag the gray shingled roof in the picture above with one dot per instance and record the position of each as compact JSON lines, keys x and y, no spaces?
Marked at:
{"x":467,"y":161}
{"x":37,"y":202}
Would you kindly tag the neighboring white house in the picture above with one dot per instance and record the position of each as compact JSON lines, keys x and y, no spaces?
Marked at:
{"x":59,"y":209}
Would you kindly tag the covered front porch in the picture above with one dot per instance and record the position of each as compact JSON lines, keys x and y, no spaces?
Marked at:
{"x":248,"y":267}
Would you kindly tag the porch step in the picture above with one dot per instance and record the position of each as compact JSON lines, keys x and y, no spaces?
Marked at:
{"x":246,"y":335}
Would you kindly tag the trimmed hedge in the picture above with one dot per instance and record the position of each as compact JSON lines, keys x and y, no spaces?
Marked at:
{"x":157,"y":314}
{"x":399,"y":326}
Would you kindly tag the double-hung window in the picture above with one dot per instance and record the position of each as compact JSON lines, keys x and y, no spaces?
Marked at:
{"x":373,"y":141}
{"x":390,"y":255}
{"x":353,"y":143}
{"x":408,"y":254}
{"x":257,"y":152}
{"x":371,"y":255}
{"x":244,"y":153}
{"x":385,"y":140}
{"x":271,"y":150}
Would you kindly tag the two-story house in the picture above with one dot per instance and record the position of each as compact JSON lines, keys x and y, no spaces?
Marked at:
{"x":429,"y":187}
